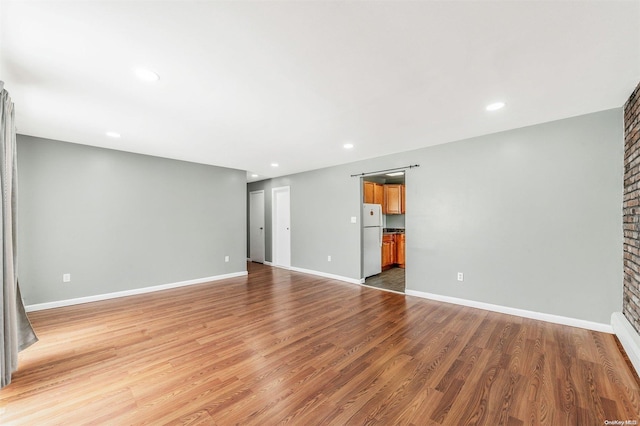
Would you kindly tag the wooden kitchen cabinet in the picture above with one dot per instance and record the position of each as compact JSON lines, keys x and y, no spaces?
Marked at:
{"x":388,"y":251}
{"x":378,"y":194}
{"x":373,"y":193}
{"x":399,"y":240}
{"x":390,"y":196}
{"x":367,"y":192}
{"x":393,"y":199}
{"x":393,"y":252}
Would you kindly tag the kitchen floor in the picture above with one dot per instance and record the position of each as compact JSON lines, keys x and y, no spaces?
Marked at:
{"x":391,"y":279}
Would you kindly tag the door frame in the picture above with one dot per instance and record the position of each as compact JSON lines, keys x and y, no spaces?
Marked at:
{"x":262,"y":239}
{"x":274,"y":229}
{"x":405,"y":182}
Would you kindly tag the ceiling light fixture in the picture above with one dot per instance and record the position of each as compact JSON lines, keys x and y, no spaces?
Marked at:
{"x":113,"y":134}
{"x":495,"y":106}
{"x":146,"y":75}
{"x":348,"y":146}
{"x":254,"y":175}
{"x":274,"y":164}
{"x":395,"y":174}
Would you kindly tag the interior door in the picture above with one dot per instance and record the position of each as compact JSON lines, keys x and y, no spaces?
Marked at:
{"x":256,"y":226}
{"x":281,"y":227}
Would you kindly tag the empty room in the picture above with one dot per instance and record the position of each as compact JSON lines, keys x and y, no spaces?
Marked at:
{"x":320,"y":212}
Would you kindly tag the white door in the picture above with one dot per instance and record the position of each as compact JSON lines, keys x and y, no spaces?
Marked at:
{"x":256,"y":226}
{"x":281,"y":234}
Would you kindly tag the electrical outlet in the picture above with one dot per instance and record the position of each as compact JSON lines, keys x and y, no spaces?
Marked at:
{"x":329,"y":258}
{"x":460,"y":276}
{"x":226,"y":258}
{"x":66,"y":278}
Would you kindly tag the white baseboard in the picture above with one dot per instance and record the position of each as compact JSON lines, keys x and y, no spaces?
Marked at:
{"x":267,"y":263}
{"x":326,"y":275}
{"x":381,"y":289}
{"x":98,"y":297}
{"x":628,"y":337}
{"x":557,"y":319}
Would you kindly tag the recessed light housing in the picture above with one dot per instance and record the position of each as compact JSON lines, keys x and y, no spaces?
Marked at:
{"x":113,"y":134}
{"x":254,"y":175}
{"x":274,"y":164}
{"x":348,"y":146}
{"x":495,"y":106}
{"x":146,"y":75}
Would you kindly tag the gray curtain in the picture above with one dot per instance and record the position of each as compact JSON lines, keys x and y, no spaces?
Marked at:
{"x":16,"y":332}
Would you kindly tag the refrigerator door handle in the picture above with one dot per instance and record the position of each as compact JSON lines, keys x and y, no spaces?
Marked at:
{"x":380,"y":230}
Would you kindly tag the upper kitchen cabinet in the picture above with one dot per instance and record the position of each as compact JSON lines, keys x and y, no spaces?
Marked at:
{"x":373,"y":193}
{"x":393,"y":199}
{"x":378,"y":194}
{"x":390,"y":196}
{"x":367,"y":192}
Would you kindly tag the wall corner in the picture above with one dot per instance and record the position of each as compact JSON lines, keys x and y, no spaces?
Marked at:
{"x":629,"y":338}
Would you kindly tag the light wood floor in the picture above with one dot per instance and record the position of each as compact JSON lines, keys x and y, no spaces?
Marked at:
{"x":283,"y":347}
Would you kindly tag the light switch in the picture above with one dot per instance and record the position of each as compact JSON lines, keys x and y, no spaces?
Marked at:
{"x":354,"y":219}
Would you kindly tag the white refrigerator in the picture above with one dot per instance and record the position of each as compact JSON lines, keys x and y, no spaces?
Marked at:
{"x":372,"y":239}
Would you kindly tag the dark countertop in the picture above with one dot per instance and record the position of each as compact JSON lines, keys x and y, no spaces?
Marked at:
{"x":393,"y":230}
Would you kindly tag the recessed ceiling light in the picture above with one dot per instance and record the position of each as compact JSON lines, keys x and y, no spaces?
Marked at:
{"x":395,"y":174}
{"x":113,"y":134}
{"x":146,"y":75}
{"x":348,"y":146}
{"x":274,"y":164}
{"x":495,"y":106}
{"x":254,"y":175}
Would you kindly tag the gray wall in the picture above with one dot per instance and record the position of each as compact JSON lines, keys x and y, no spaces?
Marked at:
{"x":531,"y":216}
{"x":118,"y":221}
{"x":322,"y":204}
{"x":395,"y":221}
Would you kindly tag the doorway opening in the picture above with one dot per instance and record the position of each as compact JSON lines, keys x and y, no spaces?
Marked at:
{"x":256,"y":226}
{"x":384,"y":237}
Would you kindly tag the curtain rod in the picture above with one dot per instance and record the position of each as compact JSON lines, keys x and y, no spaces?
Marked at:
{"x":387,"y":170}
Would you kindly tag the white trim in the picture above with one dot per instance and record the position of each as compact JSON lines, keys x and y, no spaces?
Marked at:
{"x":124,"y":293}
{"x":557,"y":319}
{"x":359,"y":281}
{"x":281,"y":267}
{"x":382,"y":289}
{"x":325,"y":275}
{"x":629,"y":338}
{"x":266,"y":262}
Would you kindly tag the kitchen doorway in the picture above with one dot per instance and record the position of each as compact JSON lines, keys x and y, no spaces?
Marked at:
{"x":384,"y":193}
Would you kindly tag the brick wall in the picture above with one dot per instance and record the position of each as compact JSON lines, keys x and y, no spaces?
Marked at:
{"x":631,"y":210}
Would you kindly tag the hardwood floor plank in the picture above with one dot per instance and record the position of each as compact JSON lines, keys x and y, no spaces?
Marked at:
{"x":280,"y":347}
{"x":472,"y":405}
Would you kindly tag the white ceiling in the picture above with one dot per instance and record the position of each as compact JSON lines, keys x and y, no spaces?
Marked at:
{"x":245,"y":84}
